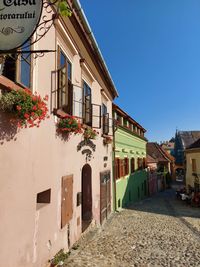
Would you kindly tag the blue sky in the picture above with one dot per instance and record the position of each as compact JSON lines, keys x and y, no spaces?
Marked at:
{"x":152,"y":49}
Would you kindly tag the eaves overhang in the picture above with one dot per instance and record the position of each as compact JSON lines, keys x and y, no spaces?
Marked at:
{"x":78,"y":16}
{"x":126,"y":116}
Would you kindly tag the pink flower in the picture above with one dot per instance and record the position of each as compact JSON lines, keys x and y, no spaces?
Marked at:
{"x":26,"y":115}
{"x":19,"y":108}
{"x":46,"y":97}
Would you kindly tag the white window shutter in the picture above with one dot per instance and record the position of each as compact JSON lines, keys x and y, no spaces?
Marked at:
{"x":77,"y":101}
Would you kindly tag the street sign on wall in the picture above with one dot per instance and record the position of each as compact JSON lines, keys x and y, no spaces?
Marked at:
{"x":18,"y":21}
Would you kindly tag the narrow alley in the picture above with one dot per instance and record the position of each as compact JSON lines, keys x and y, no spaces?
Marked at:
{"x":159,"y":231}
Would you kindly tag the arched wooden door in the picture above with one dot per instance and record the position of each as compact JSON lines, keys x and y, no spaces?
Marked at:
{"x":86,"y":196}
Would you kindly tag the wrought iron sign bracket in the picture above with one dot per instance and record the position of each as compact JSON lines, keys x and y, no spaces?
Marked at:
{"x":18,"y":53}
{"x":51,"y":8}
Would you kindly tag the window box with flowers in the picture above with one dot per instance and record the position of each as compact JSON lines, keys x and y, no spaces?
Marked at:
{"x":90,"y":133}
{"x":107,"y":140}
{"x":26,"y":108}
{"x":68,"y":125}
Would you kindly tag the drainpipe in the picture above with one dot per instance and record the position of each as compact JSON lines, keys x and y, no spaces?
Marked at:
{"x":90,"y":34}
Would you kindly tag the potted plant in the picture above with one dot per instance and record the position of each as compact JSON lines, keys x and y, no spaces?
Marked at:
{"x":27,"y":109}
{"x":69,"y":125}
{"x":107,"y":140}
{"x":90,"y":133}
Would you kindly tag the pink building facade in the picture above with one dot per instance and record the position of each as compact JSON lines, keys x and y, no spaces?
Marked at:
{"x":52,"y":189}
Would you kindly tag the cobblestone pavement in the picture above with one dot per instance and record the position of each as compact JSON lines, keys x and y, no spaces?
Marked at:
{"x":159,"y":231}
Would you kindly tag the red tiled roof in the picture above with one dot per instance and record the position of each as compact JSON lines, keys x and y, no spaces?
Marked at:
{"x":155,"y":151}
{"x":151,"y":159}
{"x":169,"y":156}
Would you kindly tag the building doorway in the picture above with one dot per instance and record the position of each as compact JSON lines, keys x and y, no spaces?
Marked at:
{"x":86,"y":196}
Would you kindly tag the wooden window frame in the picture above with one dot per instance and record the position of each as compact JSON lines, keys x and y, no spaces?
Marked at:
{"x":121,"y":168}
{"x":132,"y":165}
{"x":126,"y":166}
{"x":125,"y":122}
{"x":194,"y":165}
{"x":117,"y":168}
{"x":25,"y":58}
{"x":15,"y":63}
{"x":106,"y":123}
{"x":119,"y":119}
{"x":144,"y":163}
{"x":140,"y":163}
{"x":105,"y":119}
{"x":87,"y":100}
{"x":64,"y":85}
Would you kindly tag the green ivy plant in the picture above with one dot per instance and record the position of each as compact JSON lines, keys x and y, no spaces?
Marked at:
{"x":63,"y":8}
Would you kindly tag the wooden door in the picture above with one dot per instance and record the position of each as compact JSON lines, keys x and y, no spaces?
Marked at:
{"x":87,"y":193}
{"x":105,"y":195}
{"x":67,"y":200}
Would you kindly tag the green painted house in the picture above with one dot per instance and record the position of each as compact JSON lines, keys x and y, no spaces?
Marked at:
{"x":129,"y":157}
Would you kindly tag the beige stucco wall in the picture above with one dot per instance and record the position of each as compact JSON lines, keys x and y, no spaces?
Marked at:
{"x":192,"y":154}
{"x":36,"y":159}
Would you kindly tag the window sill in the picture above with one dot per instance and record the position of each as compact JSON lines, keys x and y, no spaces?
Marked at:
{"x":6,"y":84}
{"x":106,"y":135}
{"x":59,"y":113}
{"x":86,"y":126}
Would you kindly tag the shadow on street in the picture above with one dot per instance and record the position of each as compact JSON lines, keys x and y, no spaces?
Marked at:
{"x":169,"y":205}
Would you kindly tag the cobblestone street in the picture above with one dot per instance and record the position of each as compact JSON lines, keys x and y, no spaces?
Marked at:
{"x":159,"y":231}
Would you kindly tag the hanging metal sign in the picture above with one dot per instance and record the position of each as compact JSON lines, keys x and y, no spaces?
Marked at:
{"x":18,"y":21}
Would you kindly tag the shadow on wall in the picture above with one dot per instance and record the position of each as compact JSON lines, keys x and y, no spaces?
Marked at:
{"x":135,"y":189}
{"x":152,"y":183}
{"x":8,"y":129}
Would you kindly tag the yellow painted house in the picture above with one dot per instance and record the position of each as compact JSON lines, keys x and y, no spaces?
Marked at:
{"x":193,"y":165}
